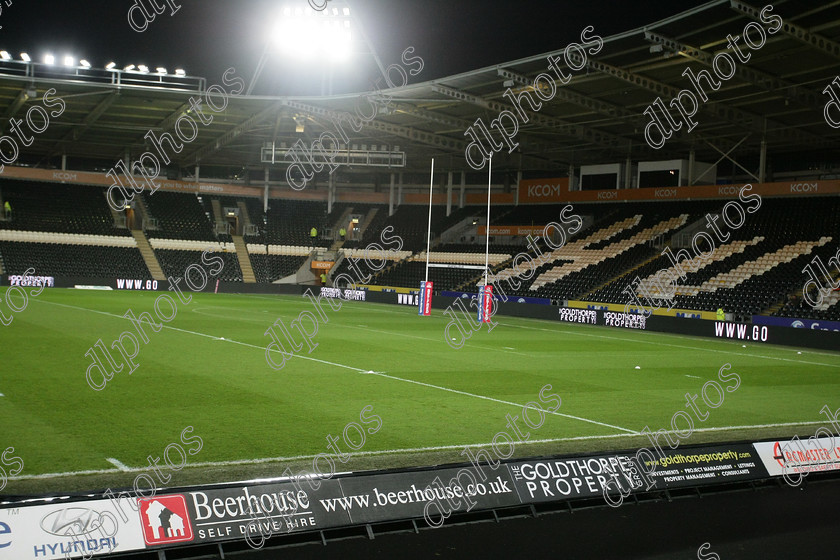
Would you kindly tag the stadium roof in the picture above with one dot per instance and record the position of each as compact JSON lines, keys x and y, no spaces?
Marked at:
{"x":598,"y":117}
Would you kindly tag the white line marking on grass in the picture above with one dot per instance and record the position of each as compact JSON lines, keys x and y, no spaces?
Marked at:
{"x":203,"y":311}
{"x":209,"y":336}
{"x":694,"y":376}
{"x":118,"y":464}
{"x":504,"y":402}
{"x":437,"y":340}
{"x":660,"y":343}
{"x":397,"y":451}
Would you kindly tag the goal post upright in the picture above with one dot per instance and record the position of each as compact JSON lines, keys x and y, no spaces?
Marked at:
{"x":485,"y":293}
{"x":425,"y":299}
{"x":429,"y":230}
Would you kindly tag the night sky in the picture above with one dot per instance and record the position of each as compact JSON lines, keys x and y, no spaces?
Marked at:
{"x":207,"y":36}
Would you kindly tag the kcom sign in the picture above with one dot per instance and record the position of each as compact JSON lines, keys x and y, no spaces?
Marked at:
{"x":543,"y":190}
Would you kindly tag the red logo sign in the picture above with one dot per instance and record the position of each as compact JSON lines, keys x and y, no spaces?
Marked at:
{"x":165,"y":519}
{"x":778,"y":455}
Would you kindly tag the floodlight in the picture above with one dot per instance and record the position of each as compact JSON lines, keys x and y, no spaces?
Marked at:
{"x":327,"y":36}
{"x":143,"y":68}
{"x":69,"y":60}
{"x":111,"y":65}
{"x":5,"y":55}
{"x":180,"y":72}
{"x":160,"y":70}
{"x":49,"y":59}
{"x":25,"y":57}
{"x":84,"y":63}
{"x":129,"y":68}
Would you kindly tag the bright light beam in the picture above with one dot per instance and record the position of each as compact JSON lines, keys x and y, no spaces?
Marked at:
{"x":314,"y":35}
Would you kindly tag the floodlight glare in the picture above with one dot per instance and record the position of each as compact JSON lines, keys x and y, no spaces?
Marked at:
{"x":84,"y":63}
{"x":25,"y":57}
{"x":306,"y":38}
{"x":180,"y":72}
{"x":5,"y":55}
{"x":49,"y":59}
{"x":69,"y":61}
{"x":111,"y":65}
{"x":143,"y":68}
{"x":129,"y":68}
{"x":160,"y":70}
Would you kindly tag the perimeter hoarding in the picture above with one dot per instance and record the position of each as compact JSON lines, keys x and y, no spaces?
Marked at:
{"x":259,"y":510}
{"x":587,"y":477}
{"x":815,"y":324}
{"x":70,"y":530}
{"x":799,"y":457}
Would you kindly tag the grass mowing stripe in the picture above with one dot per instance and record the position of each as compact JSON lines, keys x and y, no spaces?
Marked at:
{"x":389,"y":376}
{"x":508,"y":351}
{"x":504,"y":402}
{"x":659,"y":343}
{"x":392,"y":451}
{"x":257,"y":413}
{"x":211,"y":336}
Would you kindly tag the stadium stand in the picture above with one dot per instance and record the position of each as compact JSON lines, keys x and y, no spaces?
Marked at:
{"x":179,"y":216}
{"x":175,"y":262}
{"x":50,"y":259}
{"x":59,"y":208}
{"x":269,"y":268}
{"x":758,"y":270}
{"x":289,"y":222}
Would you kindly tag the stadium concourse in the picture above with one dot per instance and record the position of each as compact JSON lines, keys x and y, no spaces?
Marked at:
{"x":663,"y":221}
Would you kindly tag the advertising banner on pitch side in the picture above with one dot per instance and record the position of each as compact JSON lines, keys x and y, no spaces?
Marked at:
{"x":585,"y":477}
{"x":70,"y":530}
{"x":262,"y":510}
{"x":799,"y":456}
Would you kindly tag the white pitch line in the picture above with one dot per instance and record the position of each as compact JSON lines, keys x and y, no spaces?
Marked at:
{"x":660,"y":343}
{"x":694,"y":376}
{"x":398,"y":451}
{"x":388,"y":308}
{"x":214,"y":337}
{"x":633,"y":432}
{"x":366,"y":371}
{"x":120,"y":465}
{"x":473,"y":345}
{"x":504,"y":402}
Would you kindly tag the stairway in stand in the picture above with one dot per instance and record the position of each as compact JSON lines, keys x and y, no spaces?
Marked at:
{"x":248,"y":276}
{"x":148,"y":255}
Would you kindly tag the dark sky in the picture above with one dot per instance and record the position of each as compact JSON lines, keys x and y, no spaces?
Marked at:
{"x":207,"y":36}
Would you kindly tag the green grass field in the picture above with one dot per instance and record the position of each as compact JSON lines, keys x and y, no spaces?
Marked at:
{"x":432,"y":399}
